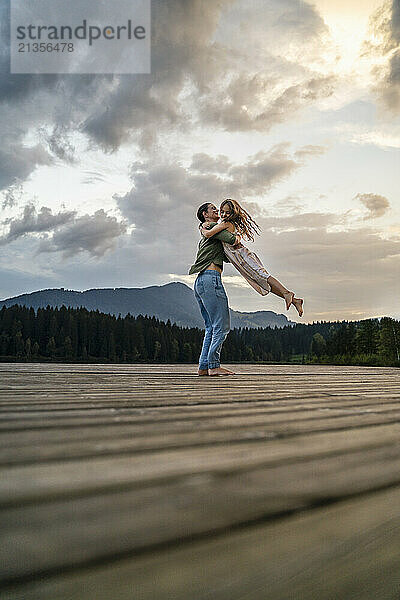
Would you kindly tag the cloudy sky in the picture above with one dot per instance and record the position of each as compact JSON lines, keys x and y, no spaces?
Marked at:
{"x":291,"y":107}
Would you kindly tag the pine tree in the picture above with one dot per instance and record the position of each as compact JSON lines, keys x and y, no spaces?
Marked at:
{"x":35,"y":350}
{"x":318,"y":345}
{"x":112,"y":351}
{"x":388,"y":345}
{"x":19,"y":345}
{"x":51,"y":348}
{"x":174,"y":353}
{"x":157,"y":350}
{"x":28,"y":349}
{"x":187,"y":353}
{"x":367,"y":337}
{"x":68,"y":347}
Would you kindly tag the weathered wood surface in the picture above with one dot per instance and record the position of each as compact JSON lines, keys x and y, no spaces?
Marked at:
{"x":146,"y":482}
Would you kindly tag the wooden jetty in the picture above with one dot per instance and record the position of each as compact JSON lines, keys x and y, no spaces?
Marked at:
{"x":145,"y":482}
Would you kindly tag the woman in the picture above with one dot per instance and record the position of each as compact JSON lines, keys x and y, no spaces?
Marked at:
{"x":210,"y":293}
{"x":236,"y":220}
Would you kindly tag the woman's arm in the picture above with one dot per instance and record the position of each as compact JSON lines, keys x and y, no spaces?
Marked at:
{"x":216,"y":229}
{"x":222,"y":233}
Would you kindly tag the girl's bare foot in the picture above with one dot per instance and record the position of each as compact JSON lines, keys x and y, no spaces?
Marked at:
{"x":298,"y":304}
{"x":202,"y":372}
{"x":289,"y":297}
{"x":220,"y":371}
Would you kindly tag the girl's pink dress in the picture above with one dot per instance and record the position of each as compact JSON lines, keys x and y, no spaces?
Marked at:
{"x":250,"y":266}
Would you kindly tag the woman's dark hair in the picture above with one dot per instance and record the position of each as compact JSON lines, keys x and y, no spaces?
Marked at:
{"x":203,"y":208}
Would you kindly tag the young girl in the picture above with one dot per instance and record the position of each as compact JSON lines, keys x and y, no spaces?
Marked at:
{"x":236,"y":220}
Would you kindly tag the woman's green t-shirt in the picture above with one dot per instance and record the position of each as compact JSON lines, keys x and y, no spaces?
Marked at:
{"x":210,"y":250}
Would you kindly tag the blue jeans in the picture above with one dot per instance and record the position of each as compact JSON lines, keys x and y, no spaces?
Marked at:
{"x":213,"y":302}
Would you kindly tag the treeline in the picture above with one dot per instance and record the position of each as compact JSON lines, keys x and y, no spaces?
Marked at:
{"x":78,"y":335}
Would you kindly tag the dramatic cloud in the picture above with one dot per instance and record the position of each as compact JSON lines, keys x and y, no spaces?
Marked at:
{"x":71,"y":235}
{"x":59,"y":143}
{"x":377,"y":205}
{"x":110,"y":110}
{"x":385,"y":26}
{"x":50,"y":106}
{"x":33,"y":222}
{"x":264,"y":169}
{"x":258,"y":85}
{"x":18,"y":88}
{"x":209,"y":164}
{"x":95,"y":234}
{"x":203,"y":73}
{"x":309,"y":150}
{"x":227,"y":86}
{"x":242,"y":106}
{"x":139,"y":106}
{"x":12,"y":195}
{"x":263,"y":28}
{"x":18,"y":162}
{"x":14,"y":88}
{"x":198,"y":77}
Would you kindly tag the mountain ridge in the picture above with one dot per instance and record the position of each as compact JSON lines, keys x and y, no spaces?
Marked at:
{"x":172,"y":301}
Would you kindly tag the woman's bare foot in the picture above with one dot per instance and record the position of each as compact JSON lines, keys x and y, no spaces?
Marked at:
{"x":298,"y":304}
{"x":202,"y":372}
{"x":220,"y":371}
{"x":289,"y":297}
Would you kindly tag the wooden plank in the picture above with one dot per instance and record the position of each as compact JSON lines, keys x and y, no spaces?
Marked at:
{"x":100,"y":526}
{"x":195,"y":387}
{"x":123,"y":442}
{"x":348,"y":550}
{"x":124,"y":400}
{"x":40,"y":482}
{"x":186,"y":373}
{"x":264,"y":428}
{"x":270,"y":412}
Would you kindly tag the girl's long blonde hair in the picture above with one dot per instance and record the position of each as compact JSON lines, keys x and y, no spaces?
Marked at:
{"x":243,"y":222}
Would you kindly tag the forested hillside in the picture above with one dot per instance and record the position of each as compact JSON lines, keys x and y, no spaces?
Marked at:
{"x":78,"y":335}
